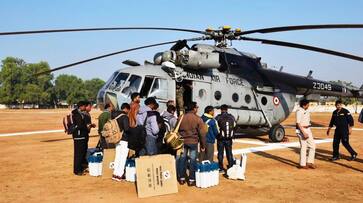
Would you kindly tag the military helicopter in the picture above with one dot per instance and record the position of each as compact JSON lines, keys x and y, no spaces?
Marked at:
{"x":259,"y":97}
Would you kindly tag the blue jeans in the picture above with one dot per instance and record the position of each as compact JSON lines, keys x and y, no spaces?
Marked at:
{"x":225,"y":145}
{"x":190,"y":151}
{"x":150,"y":145}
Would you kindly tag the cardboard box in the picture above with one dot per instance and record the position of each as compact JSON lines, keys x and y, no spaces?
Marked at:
{"x":108,"y":159}
{"x":156,"y":175}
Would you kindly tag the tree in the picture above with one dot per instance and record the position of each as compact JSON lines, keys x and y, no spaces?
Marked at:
{"x":20,"y":85}
{"x":92,"y":87}
{"x":69,"y":88}
{"x":10,"y":79}
{"x":37,"y":89}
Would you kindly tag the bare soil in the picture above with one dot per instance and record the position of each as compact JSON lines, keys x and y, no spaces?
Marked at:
{"x":38,"y":168}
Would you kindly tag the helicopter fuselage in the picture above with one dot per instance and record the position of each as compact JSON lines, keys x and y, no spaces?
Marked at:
{"x":257,"y":109}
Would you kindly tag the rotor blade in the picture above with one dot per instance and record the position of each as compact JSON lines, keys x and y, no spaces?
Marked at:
{"x":114,"y":53}
{"x":101,"y":29}
{"x":301,"y":46}
{"x":301,"y":27}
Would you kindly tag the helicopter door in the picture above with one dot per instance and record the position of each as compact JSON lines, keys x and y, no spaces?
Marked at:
{"x":202,"y":95}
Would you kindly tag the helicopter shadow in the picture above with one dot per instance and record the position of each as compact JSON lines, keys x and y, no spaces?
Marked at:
{"x":313,"y":124}
{"x":326,"y":155}
{"x":320,"y":154}
{"x":63,"y":139}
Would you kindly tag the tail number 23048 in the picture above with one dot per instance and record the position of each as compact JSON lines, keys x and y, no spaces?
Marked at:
{"x":321,"y":86}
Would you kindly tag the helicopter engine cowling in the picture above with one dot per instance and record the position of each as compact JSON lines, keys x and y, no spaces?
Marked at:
{"x":199,"y":60}
{"x":190,"y":59}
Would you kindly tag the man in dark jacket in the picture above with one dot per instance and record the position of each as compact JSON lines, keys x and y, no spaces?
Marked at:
{"x":80,"y":136}
{"x":192,"y":130}
{"x":343,"y":121}
{"x":226,"y":123}
{"x":90,"y":125}
{"x":121,"y":148}
{"x":208,"y":118}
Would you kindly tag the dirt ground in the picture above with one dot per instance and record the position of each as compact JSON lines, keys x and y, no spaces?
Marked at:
{"x":38,"y":168}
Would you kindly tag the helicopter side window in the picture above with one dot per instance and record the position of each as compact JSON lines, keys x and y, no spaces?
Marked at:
{"x":159,"y":89}
{"x":132,"y":85}
{"x":235,"y":97}
{"x":248,"y":98}
{"x":217,"y":95}
{"x":264,"y":101}
{"x":119,"y":81}
{"x":146,"y":86}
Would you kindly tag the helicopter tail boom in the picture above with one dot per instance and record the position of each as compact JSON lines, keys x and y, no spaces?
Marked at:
{"x":308,"y":85}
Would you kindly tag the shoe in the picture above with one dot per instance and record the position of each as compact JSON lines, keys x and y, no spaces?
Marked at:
{"x":312,"y":166}
{"x":353,"y":157}
{"x":302,"y":167}
{"x":335,"y":158}
{"x":191,"y":183}
{"x":221,"y":170}
{"x":116,"y":178}
{"x":79,"y":174}
{"x":181,"y":181}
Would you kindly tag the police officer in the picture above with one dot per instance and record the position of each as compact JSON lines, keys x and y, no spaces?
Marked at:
{"x":303,"y":131}
{"x":343,"y":121}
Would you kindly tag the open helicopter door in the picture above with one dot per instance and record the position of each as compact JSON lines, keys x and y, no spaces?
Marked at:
{"x":202,"y":95}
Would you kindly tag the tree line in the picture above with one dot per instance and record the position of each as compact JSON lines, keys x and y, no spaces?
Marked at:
{"x":19,"y":85}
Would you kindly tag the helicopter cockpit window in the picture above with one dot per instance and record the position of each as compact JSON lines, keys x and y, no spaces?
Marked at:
{"x":159,"y":89}
{"x":148,"y":81}
{"x":132,"y":85}
{"x":110,"y":80}
{"x":119,"y":81}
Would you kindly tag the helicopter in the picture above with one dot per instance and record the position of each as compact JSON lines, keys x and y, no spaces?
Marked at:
{"x":259,"y":97}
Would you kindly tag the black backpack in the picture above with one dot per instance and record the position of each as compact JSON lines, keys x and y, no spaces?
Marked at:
{"x":68,"y":124}
{"x":137,"y":135}
{"x":360,"y":119}
{"x":226,"y":126}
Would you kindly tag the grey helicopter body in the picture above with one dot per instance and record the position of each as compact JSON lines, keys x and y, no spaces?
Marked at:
{"x":259,"y":97}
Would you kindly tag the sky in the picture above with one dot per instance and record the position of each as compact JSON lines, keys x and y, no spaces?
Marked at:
{"x":64,"y":48}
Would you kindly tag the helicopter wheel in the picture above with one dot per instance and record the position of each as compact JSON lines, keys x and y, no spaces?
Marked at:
{"x":277,"y":133}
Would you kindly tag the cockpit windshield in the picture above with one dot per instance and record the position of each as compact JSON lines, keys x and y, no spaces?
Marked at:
{"x":119,"y":81}
{"x":132,"y":85}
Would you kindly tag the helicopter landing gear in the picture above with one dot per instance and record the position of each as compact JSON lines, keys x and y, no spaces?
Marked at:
{"x":276,"y":133}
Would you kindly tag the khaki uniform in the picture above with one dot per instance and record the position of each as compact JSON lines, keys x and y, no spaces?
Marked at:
{"x":303,"y":118}
{"x":180,"y":99}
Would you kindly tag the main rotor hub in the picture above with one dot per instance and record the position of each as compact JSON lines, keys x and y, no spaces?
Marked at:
{"x":222,"y":35}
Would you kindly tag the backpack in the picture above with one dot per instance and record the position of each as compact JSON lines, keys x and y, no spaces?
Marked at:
{"x":68,"y":124}
{"x":226,"y":126}
{"x":111,"y":131}
{"x":360,"y":119}
{"x":137,"y":136}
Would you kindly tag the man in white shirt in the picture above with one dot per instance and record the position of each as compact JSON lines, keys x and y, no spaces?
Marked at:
{"x":305,"y":135}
